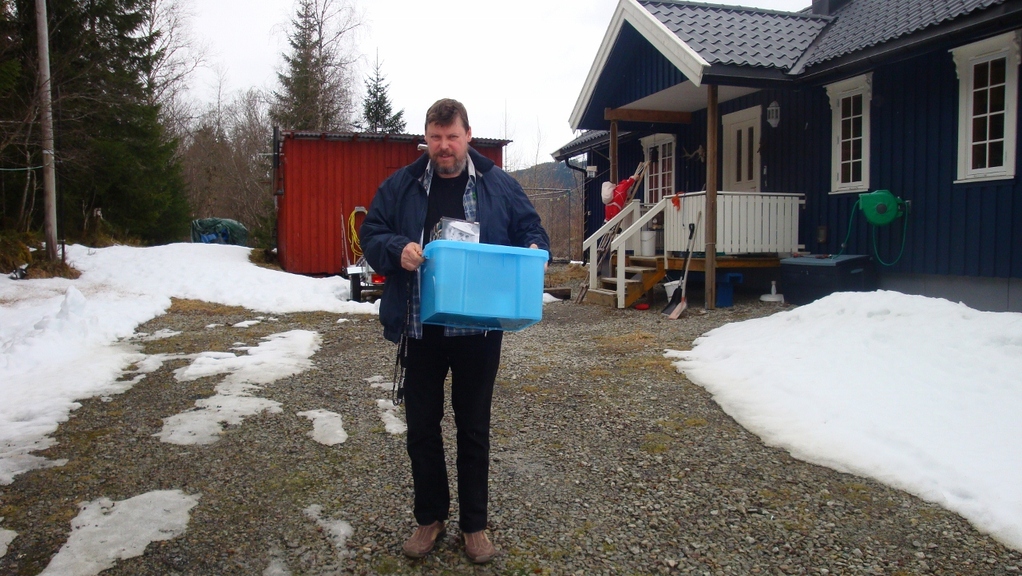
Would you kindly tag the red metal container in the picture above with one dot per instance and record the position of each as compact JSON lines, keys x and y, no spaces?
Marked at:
{"x":324,"y":183}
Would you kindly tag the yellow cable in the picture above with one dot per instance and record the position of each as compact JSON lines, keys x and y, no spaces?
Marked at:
{"x":356,"y":246}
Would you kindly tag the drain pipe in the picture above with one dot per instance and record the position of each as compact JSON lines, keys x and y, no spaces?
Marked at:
{"x":567,"y":162}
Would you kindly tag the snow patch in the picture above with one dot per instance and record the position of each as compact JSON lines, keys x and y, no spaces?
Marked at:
{"x":278,"y":356}
{"x":338,"y":530}
{"x":391,"y":421}
{"x":327,"y":427}
{"x":106,"y":531}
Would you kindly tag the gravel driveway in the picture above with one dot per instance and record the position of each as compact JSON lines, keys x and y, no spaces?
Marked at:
{"x":605,"y":461}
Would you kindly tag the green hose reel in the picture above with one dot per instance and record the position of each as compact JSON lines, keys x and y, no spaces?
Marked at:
{"x":881,"y":207}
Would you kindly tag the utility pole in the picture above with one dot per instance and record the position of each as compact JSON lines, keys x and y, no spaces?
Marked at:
{"x":46,"y":108}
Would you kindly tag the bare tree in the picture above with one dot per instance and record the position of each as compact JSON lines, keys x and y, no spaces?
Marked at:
{"x":250,"y":137}
{"x":176,"y":56}
{"x":226,"y":160}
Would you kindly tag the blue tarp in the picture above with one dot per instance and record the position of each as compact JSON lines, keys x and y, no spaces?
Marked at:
{"x":219,"y":231}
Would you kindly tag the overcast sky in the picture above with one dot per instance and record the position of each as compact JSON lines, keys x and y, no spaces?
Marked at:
{"x":517,"y":66}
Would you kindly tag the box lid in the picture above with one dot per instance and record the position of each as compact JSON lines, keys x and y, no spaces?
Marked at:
{"x":821,"y":260}
{"x":486,"y":248}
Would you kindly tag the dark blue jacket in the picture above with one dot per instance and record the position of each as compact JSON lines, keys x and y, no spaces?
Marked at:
{"x":398,"y":214}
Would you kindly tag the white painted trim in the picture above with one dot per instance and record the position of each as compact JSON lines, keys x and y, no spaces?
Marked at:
{"x":974,"y":179}
{"x":862,"y":84}
{"x":687,"y":60}
{"x":1002,"y":46}
{"x":657,"y":140}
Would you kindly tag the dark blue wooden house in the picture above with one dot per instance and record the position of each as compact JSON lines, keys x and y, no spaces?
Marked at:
{"x":771,"y":124}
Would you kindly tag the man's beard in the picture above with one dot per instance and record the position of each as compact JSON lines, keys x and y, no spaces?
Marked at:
{"x":456,"y":169}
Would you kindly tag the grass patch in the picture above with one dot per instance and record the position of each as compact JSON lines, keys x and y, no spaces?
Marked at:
{"x":655,"y":443}
{"x":623,"y":344}
{"x":63,"y":516}
{"x":855,"y":492}
{"x":648,"y":365}
{"x":775,"y":498}
{"x":15,"y":250}
{"x":264,"y":258}
{"x":558,"y":276}
{"x":522,"y":568}
{"x":583,"y":530}
{"x":198,"y":307}
{"x":40,"y":269}
{"x":386,"y":565}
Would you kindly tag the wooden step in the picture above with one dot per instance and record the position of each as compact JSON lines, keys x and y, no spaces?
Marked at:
{"x":601,"y":296}
{"x":639,"y":269}
{"x":612,"y":280}
{"x":651,"y":261}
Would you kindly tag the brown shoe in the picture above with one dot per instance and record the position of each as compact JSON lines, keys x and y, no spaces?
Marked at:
{"x":478,"y":547}
{"x":423,"y":540}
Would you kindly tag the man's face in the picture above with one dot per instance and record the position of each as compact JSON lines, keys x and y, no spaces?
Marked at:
{"x":448,"y":147}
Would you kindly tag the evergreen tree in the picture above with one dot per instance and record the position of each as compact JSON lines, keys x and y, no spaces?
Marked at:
{"x":113,"y":155}
{"x":376,"y":109}
{"x":316,"y":87}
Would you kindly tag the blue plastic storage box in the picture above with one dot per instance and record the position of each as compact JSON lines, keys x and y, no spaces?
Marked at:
{"x":469,"y":285}
{"x":726,"y":289}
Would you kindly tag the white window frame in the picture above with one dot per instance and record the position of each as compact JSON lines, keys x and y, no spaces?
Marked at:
{"x":658,"y":141}
{"x":966,"y":58}
{"x":837,"y":92}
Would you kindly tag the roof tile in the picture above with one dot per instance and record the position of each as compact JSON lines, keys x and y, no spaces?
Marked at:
{"x":734,"y":35}
{"x":864,"y":23}
{"x":739,"y":36}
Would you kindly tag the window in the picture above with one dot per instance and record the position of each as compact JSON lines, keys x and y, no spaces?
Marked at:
{"x":659,"y":150}
{"x":849,"y":104}
{"x":987,"y":107}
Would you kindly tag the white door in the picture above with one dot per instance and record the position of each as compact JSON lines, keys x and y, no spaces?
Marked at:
{"x":741,"y":150}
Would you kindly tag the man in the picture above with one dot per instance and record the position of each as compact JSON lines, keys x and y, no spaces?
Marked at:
{"x":451,"y":180}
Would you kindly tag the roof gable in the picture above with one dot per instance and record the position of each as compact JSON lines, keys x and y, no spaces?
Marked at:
{"x":664,"y":50}
{"x":629,"y":14}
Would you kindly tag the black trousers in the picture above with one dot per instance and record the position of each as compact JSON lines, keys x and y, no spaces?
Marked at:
{"x":473,"y":362}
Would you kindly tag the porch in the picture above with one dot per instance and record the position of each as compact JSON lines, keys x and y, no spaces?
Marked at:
{"x":753,"y":230}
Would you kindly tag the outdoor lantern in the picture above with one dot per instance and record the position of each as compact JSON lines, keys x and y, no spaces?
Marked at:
{"x":774,"y":114}
{"x":591,"y":171}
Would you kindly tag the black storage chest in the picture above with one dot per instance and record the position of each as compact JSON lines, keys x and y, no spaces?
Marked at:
{"x":808,"y":278}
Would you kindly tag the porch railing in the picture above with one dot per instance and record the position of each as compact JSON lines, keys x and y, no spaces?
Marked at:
{"x":747,"y":223}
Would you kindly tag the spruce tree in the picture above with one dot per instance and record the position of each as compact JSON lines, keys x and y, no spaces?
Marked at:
{"x":376,"y":109}
{"x":113,"y":155}
{"x":316,"y":83}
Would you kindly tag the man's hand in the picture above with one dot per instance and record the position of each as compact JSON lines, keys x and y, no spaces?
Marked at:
{"x":411,"y":256}
{"x":536,"y":247}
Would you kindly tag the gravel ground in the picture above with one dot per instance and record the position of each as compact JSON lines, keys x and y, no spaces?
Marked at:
{"x":605,"y":461}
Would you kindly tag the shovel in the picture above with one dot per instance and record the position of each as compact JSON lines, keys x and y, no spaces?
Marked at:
{"x":678,"y":303}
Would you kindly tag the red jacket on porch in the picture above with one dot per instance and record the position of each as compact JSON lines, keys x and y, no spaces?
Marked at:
{"x":617,"y":201}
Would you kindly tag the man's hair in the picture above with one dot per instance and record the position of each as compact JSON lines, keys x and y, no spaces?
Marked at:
{"x":445,"y":111}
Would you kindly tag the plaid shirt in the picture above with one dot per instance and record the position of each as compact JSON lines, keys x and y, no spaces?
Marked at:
{"x":414,"y":327}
